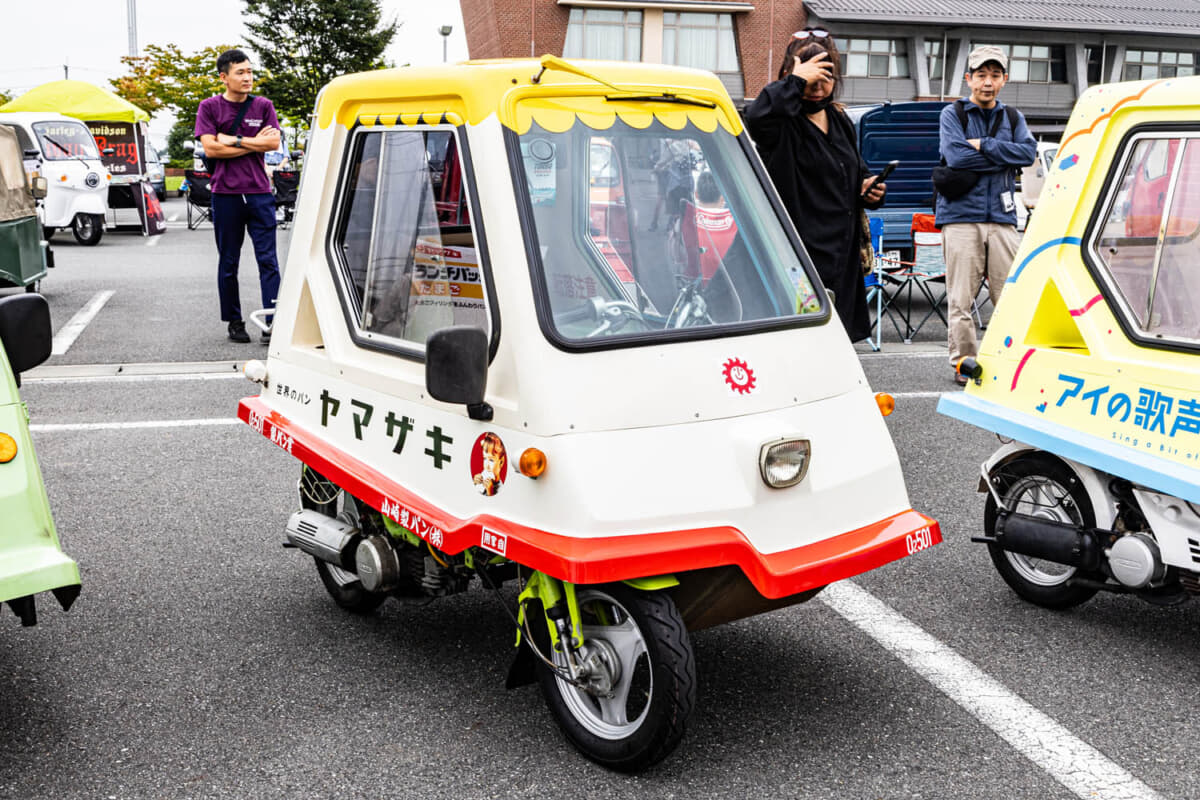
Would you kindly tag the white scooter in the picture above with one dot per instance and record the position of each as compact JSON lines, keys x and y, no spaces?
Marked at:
{"x":63,"y":151}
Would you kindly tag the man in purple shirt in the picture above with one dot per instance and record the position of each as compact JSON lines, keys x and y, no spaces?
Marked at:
{"x":241,"y":192}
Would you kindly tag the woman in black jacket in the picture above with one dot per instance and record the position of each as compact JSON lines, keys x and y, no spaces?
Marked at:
{"x":810,"y":150}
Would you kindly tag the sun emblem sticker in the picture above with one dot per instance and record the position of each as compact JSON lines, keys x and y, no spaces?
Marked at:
{"x":489,"y":464}
{"x":739,"y":376}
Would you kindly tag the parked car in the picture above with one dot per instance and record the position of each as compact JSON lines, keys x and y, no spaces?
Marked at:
{"x":1089,"y":369}
{"x":155,"y":173}
{"x":31,"y":560}
{"x":1033,"y":177}
{"x":647,"y":435}
{"x":24,"y":254}
{"x":63,"y":151}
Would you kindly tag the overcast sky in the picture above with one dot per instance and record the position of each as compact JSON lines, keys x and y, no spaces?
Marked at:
{"x":94,"y":34}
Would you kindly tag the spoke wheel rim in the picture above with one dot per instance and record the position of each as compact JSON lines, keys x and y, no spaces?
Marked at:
{"x":623,"y":713}
{"x":1043,"y":498}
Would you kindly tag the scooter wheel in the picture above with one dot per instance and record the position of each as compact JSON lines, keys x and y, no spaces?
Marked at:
{"x":320,"y":494}
{"x":1041,"y":486}
{"x":88,"y":228}
{"x":347,"y":590}
{"x":642,"y":641}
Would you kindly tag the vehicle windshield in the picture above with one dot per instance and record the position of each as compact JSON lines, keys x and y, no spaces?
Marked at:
{"x":65,"y":140}
{"x":645,"y":230}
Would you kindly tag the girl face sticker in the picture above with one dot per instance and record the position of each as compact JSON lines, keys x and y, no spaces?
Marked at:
{"x":489,"y":464}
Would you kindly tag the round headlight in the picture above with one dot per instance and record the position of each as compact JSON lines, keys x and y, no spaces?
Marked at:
{"x":784,"y":462}
{"x":92,"y":180}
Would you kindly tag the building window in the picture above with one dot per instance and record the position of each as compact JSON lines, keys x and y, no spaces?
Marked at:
{"x":609,"y":34}
{"x":874,"y":58}
{"x":702,"y":41}
{"x":1144,"y":65}
{"x":935,"y":58}
{"x":1034,"y":63}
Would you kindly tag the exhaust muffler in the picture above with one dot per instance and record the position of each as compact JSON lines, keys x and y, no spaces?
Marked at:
{"x":324,"y":537}
{"x":1059,"y":542}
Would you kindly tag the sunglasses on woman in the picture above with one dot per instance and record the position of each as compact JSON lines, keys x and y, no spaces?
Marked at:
{"x":818,"y":33}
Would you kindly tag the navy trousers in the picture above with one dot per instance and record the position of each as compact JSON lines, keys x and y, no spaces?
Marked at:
{"x":233,"y":215}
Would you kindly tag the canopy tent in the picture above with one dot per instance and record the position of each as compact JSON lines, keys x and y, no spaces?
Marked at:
{"x":77,"y":99}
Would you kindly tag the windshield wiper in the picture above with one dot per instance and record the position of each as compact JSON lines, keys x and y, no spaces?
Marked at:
{"x":665,"y":97}
{"x":67,"y":152}
{"x":554,"y":62}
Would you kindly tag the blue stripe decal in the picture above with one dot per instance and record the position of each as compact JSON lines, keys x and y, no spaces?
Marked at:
{"x":1071,"y":240}
{"x":1141,"y":468}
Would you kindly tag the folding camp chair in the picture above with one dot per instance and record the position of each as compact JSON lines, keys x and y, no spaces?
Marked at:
{"x":874,"y":283}
{"x":199,"y":198}
{"x":926,"y":273}
{"x":285,"y":182}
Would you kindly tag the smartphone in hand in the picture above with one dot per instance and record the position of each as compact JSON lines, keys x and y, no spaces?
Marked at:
{"x":882,"y":176}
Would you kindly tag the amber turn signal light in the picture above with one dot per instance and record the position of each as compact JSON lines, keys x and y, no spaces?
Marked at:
{"x":532,"y":463}
{"x":8,"y":448}
{"x":886,"y":403}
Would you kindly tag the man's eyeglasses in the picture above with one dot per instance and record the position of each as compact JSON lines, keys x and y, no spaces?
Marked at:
{"x":817,"y":33}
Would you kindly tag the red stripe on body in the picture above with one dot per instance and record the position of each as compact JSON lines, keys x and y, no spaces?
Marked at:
{"x":613,"y":558}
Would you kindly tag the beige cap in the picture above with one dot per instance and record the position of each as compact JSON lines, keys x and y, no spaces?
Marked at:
{"x":985,"y":53}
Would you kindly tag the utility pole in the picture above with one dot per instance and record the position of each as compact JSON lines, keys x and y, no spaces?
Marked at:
{"x":131,"y":15}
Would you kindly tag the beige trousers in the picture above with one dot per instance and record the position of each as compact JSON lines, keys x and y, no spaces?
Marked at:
{"x":973,"y":250}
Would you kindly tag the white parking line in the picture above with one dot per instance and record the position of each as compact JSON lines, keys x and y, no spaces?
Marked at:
{"x":1072,"y":762}
{"x":122,"y":426}
{"x":70,"y":332}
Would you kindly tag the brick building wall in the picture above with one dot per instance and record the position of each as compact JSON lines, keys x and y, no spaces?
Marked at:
{"x":507,"y":28}
{"x":763,"y":36}
{"x":502,"y":28}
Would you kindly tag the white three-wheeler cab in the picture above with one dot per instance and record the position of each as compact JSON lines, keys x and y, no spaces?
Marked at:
{"x":504,"y":349}
{"x":1090,"y":369}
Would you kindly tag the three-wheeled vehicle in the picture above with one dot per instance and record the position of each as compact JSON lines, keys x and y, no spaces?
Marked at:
{"x":24,"y":255}
{"x":477,"y":389}
{"x":62,"y":150}
{"x":1090,"y":368}
{"x":31,"y":561}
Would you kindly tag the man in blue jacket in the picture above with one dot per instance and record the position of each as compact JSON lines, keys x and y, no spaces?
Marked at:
{"x":979,"y":228}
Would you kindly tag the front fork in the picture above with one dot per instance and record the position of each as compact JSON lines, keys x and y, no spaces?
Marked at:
{"x":593,"y":665}
{"x":561,"y":614}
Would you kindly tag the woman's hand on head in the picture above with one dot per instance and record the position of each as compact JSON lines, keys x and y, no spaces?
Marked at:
{"x":817,"y":68}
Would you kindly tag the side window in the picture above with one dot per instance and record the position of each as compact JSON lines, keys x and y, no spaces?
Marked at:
{"x":1149,"y":245}
{"x":405,"y":244}
{"x":22,"y":138}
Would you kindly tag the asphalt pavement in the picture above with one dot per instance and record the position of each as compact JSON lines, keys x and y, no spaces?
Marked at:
{"x":203,"y":660}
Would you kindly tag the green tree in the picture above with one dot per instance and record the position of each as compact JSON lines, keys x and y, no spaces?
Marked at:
{"x":166,"y":78}
{"x":5,"y":97}
{"x":177,"y":156}
{"x":303,"y":44}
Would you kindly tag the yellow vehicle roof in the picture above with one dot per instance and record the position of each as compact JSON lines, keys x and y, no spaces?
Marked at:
{"x":597,"y":92}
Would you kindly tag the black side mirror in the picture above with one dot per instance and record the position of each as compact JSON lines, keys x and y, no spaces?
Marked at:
{"x":32,"y":153}
{"x":25,"y":330}
{"x":456,"y":361}
{"x":108,"y":151}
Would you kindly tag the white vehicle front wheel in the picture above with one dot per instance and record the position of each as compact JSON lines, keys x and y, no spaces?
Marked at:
{"x":632,"y":710}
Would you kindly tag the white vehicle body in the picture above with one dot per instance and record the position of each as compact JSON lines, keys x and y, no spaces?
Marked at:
{"x":486,"y":343}
{"x":77,"y":180}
